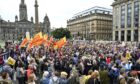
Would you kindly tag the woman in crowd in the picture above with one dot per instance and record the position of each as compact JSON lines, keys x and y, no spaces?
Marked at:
{"x":20,"y":73}
{"x":94,"y":79}
{"x":45,"y":79}
{"x":63,"y":78}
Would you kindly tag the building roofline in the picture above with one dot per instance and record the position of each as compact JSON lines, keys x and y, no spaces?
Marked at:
{"x":92,"y":10}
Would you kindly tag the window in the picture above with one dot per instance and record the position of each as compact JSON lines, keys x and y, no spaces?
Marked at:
{"x":129,"y":10}
{"x":136,"y":14}
{"x":122,"y":16}
{"x":122,"y":35}
{"x":129,"y":35}
{"x":136,"y":35}
{"x":116,"y":36}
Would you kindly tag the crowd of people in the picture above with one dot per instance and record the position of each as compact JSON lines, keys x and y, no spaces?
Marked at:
{"x":74,"y":63}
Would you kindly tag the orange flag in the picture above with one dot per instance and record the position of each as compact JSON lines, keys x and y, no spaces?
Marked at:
{"x":60,"y":43}
{"x":24,"y":42}
{"x":30,"y":45}
{"x":45,"y":37}
{"x":51,"y":39}
{"x":38,"y":39}
{"x":38,"y":35}
{"x":46,"y":42}
{"x":39,"y":42}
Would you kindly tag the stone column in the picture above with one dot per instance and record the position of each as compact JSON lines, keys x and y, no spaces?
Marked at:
{"x":119,"y":35}
{"x":114,"y":23}
{"x":125,"y":35}
{"x":132,"y":35}
{"x":113,"y":35}
{"x":36,"y":17}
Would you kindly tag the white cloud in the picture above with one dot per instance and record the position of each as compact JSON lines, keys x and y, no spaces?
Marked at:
{"x":59,"y":11}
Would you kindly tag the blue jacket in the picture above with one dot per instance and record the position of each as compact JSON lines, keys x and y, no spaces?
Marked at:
{"x":44,"y":81}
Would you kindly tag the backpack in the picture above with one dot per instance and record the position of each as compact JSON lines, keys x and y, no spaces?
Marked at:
{"x":55,"y":82}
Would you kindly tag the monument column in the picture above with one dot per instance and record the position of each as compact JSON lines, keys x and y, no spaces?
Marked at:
{"x":37,"y":29}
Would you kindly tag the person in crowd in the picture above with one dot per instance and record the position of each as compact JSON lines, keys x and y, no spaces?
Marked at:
{"x":44,"y":65}
{"x":45,"y":79}
{"x":55,"y":79}
{"x":20,"y":73}
{"x":74,"y":76}
{"x":128,"y":66}
{"x":77,"y":58}
{"x":63,"y":78}
{"x":88,"y":76}
{"x":29,"y":71}
{"x":87,"y":66}
{"x":137,"y":67}
{"x":104,"y":78}
{"x":7,"y":68}
{"x":131,"y":81}
{"x":94,"y":79}
{"x":31,"y":79}
{"x":113,"y":74}
{"x":33,"y":64}
{"x":80,"y":67}
{"x":121,"y":78}
{"x":5,"y":79}
{"x":134,"y":75}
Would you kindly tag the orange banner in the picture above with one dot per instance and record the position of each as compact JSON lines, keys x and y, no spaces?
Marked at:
{"x":60,"y":43}
{"x":24,"y":42}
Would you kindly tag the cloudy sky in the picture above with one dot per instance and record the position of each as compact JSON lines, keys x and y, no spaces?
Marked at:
{"x":59,"y":11}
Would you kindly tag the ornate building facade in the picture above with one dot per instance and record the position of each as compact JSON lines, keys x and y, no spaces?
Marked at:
{"x":11,"y":31}
{"x":126,"y":20}
{"x":94,"y":24}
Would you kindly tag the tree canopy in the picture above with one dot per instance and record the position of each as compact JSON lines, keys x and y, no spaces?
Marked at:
{"x":60,"y":33}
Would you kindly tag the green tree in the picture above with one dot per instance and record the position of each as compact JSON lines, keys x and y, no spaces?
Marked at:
{"x":60,"y":33}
